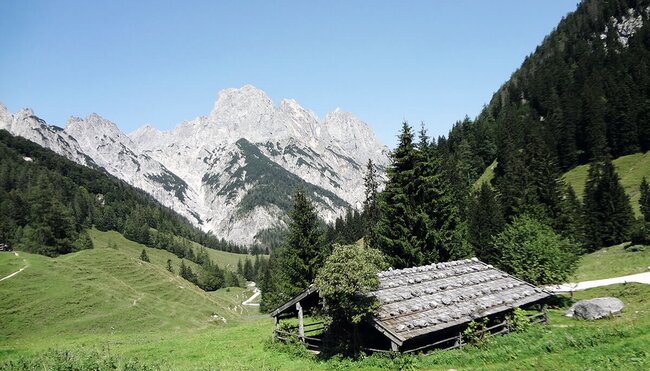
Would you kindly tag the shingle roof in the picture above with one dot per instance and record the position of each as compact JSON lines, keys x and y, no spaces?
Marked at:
{"x":420,"y":300}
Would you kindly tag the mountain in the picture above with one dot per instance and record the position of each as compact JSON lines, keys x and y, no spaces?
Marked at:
{"x":584,"y":93}
{"x":231,"y":172}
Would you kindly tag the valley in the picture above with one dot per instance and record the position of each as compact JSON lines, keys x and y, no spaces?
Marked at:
{"x":105,"y":304}
{"x":166,"y":246}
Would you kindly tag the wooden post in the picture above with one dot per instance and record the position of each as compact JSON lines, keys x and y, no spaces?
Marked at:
{"x":394,"y":347}
{"x":301,"y":324}
{"x":277,"y":326}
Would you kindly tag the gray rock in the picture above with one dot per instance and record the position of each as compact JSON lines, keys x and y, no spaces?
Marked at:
{"x":595,"y":308}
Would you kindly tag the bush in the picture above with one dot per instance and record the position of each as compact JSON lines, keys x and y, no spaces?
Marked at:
{"x":640,"y":233}
{"x":518,"y":320}
{"x":476,"y":333}
{"x":533,"y":252}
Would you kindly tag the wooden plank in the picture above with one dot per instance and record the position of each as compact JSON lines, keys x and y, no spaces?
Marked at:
{"x":313,"y":324}
{"x":301,"y":323}
{"x":310,"y":290}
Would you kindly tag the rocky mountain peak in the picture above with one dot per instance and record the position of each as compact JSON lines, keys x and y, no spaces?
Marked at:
{"x":93,"y":124}
{"x":234,"y":171}
{"x":247,"y":99}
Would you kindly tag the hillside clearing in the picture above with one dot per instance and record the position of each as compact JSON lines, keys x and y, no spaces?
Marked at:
{"x":631,"y":169}
{"x":611,"y":262}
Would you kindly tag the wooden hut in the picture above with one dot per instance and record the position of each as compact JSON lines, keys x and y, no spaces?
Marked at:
{"x":428,"y":306}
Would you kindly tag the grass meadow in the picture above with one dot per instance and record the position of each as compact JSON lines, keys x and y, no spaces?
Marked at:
{"x":105,"y":309}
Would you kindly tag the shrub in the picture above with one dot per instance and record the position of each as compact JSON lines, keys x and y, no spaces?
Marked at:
{"x":533,"y":252}
{"x":476,"y":333}
{"x":640,"y":233}
{"x":518,"y":320}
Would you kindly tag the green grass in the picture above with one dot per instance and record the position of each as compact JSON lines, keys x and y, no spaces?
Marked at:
{"x":631,"y":169}
{"x":611,"y":262}
{"x":10,"y":263}
{"x":101,"y":292}
{"x":105,"y":307}
{"x":620,"y":342}
{"x":115,"y":241}
{"x":487,"y":175}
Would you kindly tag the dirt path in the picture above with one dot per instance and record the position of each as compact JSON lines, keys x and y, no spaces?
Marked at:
{"x":15,"y":273}
{"x":569,"y":287}
{"x":256,"y":293}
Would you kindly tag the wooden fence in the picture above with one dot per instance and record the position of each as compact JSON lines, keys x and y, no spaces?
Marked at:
{"x":312,"y":343}
{"x":457,"y":341}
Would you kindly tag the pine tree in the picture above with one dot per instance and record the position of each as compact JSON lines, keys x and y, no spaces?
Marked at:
{"x":569,"y":222}
{"x":143,"y":256}
{"x":420,"y":219}
{"x":440,"y":234}
{"x":644,"y":200}
{"x":511,"y":173}
{"x":543,"y":181}
{"x":394,"y":229}
{"x":293,"y":266}
{"x":608,"y":214}
{"x":185,"y":271}
{"x":485,"y":222}
{"x":249,"y":274}
{"x":169,"y":266}
{"x":370,"y":205}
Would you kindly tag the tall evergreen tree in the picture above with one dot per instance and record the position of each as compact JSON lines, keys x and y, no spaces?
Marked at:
{"x":569,"y":221}
{"x":293,"y":267}
{"x":143,"y":256}
{"x":608,"y":214}
{"x":485,"y":222}
{"x":370,"y":205}
{"x":420,"y":220}
{"x":394,"y":230}
{"x":439,"y":231}
{"x":644,"y":200}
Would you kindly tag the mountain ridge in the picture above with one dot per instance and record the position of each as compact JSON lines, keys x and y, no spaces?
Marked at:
{"x":200,"y":168}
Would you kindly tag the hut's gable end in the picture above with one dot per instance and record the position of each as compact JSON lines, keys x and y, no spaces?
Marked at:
{"x":421,"y":300}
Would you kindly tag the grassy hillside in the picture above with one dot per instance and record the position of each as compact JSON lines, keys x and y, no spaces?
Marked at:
{"x":102,"y":291}
{"x":611,"y":262}
{"x":224,"y":259}
{"x":631,"y":169}
{"x":487,"y":175}
{"x":108,"y":303}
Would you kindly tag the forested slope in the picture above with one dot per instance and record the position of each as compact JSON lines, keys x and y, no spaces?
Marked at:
{"x":583,"y":93}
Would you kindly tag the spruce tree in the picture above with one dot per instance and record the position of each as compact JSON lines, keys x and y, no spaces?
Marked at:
{"x":485,"y":222}
{"x":644,"y":200}
{"x":370,"y":206}
{"x":143,"y":256}
{"x":439,"y":232}
{"x":293,"y":267}
{"x":248,"y":273}
{"x":607,"y":212}
{"x":420,"y":220}
{"x":394,"y":229}
{"x":169,"y":266}
{"x":569,"y":222}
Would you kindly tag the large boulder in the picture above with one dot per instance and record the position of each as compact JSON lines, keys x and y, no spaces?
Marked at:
{"x":595,"y":308}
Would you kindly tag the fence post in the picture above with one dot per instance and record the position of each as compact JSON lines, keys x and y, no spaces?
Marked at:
{"x":276,"y":322}
{"x":301,"y":324}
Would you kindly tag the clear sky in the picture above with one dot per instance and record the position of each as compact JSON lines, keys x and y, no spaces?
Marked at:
{"x":162,"y":62}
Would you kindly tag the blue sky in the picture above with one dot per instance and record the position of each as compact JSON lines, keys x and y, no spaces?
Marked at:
{"x":163,"y":62}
